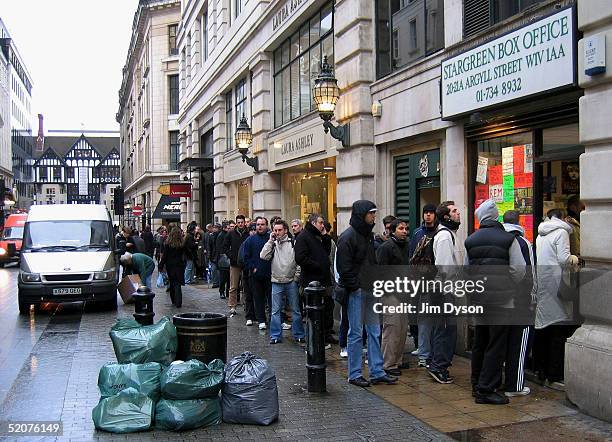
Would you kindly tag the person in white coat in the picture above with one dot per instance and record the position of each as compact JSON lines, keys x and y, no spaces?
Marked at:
{"x":552,"y":313}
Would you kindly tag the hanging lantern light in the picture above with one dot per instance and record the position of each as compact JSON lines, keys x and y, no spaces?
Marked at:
{"x":325,"y":94}
{"x":244,"y":138}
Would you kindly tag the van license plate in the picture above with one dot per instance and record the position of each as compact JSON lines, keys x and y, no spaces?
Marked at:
{"x":72,"y":291}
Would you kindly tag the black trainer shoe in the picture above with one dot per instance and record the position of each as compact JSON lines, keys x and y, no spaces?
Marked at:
{"x":491,"y":398}
{"x":394,"y":372}
{"x":386,"y":379}
{"x":275,"y":341}
{"x":360,"y":382}
{"x":441,"y":377}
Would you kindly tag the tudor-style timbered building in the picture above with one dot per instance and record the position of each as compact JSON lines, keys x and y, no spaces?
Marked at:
{"x":77,"y":170}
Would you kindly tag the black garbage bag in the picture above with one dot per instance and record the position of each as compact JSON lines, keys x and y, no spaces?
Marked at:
{"x":192,"y":379}
{"x":145,"y":378}
{"x":250,"y":394}
{"x":139,"y":344}
{"x":126,"y":412}
{"x":187,"y":414}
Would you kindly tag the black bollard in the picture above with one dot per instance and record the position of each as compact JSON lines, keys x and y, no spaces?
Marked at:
{"x":143,"y":305}
{"x":315,"y":359}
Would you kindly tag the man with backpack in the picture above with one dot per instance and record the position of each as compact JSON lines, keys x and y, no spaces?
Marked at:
{"x":285,"y":273}
{"x":500,"y":251}
{"x":420,"y":238}
{"x":447,"y":260}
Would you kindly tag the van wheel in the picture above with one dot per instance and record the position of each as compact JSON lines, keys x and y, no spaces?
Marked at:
{"x":24,"y":307}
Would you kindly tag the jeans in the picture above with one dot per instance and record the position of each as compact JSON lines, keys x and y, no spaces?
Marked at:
{"x":189,"y":272}
{"x":262,"y":294}
{"x":443,"y":341}
{"x":146,"y":280}
{"x":214,"y":273}
{"x":425,"y":327}
{"x":343,"y":331}
{"x":356,"y":304}
{"x":279,"y":292}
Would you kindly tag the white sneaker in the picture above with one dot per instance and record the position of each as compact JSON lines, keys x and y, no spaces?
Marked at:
{"x":286,"y":326}
{"x":262,"y":325}
{"x":415,"y":352}
{"x":343,"y":353}
{"x":524,"y":392}
{"x":327,"y":346}
{"x":249,"y":322}
{"x":232,"y":311}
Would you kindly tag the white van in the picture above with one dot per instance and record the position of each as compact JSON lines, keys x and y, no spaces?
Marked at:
{"x":68,"y":255}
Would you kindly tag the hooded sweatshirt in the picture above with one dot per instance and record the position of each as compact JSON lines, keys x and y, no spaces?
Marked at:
{"x":282,"y":254}
{"x":355,"y":248}
{"x":553,"y":251}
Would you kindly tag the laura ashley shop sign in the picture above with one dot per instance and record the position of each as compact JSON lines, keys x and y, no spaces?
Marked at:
{"x":532,"y":59}
{"x":285,"y":12}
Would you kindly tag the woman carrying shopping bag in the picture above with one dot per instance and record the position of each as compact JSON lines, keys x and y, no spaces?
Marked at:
{"x":172,"y":261}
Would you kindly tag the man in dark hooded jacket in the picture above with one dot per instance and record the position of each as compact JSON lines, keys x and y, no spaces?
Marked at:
{"x":354,"y":255}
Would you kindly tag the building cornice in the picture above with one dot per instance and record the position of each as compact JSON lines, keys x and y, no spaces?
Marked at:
{"x":145,"y":176}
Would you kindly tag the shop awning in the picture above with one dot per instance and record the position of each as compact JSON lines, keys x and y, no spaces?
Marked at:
{"x":195,"y":163}
{"x":168,"y":208}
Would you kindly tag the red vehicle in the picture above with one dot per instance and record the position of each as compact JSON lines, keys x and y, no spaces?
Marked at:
{"x":10,"y":241}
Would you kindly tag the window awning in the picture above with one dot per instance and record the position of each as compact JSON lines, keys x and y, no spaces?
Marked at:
{"x":195,"y":163}
{"x":168,"y":208}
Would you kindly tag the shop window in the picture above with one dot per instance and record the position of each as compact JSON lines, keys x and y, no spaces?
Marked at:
{"x":241,"y":97}
{"x":174,"y":149}
{"x":297,"y":62}
{"x":407,"y":31}
{"x":505,"y":174}
{"x":173,"y":94}
{"x":43,"y":173}
{"x":479,"y":15}
{"x":229,"y":132}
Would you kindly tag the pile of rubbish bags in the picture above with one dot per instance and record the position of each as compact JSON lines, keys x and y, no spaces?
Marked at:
{"x":148,"y":389}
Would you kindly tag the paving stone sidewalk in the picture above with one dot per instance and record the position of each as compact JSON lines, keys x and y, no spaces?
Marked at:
{"x":345,"y":412}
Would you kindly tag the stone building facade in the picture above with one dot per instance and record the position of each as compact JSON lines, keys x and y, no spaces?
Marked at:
{"x":444,"y":102}
{"x":148,"y":109}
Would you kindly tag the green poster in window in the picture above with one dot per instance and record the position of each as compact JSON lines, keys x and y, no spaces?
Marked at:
{"x":508,"y":188}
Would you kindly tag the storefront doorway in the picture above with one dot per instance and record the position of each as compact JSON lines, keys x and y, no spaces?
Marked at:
{"x":417,"y":182}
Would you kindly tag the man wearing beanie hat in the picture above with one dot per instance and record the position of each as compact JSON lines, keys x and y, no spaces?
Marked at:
{"x":428,"y":228}
{"x":492,"y":246}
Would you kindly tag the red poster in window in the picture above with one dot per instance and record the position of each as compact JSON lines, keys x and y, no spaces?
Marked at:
{"x":523,"y":180}
{"x":519,"y":159}
{"x":495,"y":175}
{"x":482,"y":194}
{"x":526,"y":221}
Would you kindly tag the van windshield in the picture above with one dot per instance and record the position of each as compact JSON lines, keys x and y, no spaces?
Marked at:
{"x":13,"y":233}
{"x":65,"y":235}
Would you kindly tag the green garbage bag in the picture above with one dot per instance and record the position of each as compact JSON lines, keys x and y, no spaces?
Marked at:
{"x":192,"y":379}
{"x":143,"y":377}
{"x":126,"y":412}
{"x":187,"y":414}
{"x":144,"y":343}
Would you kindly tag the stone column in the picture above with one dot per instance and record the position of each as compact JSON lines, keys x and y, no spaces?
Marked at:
{"x":212,"y":25}
{"x":266,"y":187}
{"x":219,"y":149}
{"x":588,"y":357}
{"x":194,"y":176}
{"x":186,"y":140}
{"x":354,"y":69}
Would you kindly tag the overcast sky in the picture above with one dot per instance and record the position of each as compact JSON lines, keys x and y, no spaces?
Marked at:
{"x":74,"y":51}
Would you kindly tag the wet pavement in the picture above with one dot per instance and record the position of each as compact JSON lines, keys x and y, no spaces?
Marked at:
{"x":50,"y":362}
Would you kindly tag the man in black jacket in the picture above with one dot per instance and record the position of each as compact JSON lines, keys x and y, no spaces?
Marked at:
{"x":231,"y":247}
{"x":354,"y":255}
{"x":223,"y":271}
{"x":191,"y":254}
{"x":213,"y":255}
{"x":313,"y":259}
{"x":394,"y":252}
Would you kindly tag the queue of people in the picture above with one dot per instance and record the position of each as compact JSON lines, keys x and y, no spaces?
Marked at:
{"x":266,"y":266}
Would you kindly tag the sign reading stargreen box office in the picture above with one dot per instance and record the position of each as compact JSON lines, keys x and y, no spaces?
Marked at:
{"x":533,"y":59}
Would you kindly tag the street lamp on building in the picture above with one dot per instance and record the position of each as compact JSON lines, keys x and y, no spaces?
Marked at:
{"x":244,"y":139}
{"x":325,"y":94}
